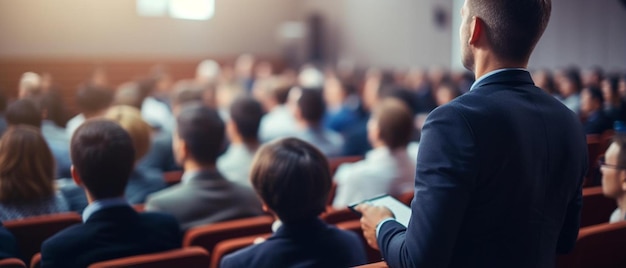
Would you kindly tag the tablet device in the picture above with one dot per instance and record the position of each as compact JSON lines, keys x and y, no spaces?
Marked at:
{"x":401,"y":212}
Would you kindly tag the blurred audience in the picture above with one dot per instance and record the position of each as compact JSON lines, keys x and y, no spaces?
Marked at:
{"x":203,"y":196}
{"x":308,"y":107}
{"x":569,"y":86}
{"x":242,"y":130}
{"x":591,"y":109}
{"x":92,"y":100}
{"x":27,"y":175}
{"x":278,"y":122}
{"x":293,"y":180}
{"x":388,"y":168}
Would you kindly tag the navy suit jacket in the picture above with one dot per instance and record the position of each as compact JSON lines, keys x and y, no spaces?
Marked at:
{"x":8,"y":248}
{"x":598,"y":123}
{"x":111,"y":233}
{"x":309,"y":244}
{"x":498,"y":181}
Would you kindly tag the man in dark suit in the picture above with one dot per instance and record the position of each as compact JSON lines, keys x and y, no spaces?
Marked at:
{"x":293,"y":179}
{"x":204,"y":196}
{"x":103,"y":157}
{"x":8,"y":248}
{"x":591,"y":108}
{"x":499,"y":170}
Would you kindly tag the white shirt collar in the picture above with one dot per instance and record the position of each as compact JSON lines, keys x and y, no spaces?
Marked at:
{"x":102,"y":204}
{"x":492,"y":73}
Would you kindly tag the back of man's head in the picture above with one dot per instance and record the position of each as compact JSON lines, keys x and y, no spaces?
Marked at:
{"x":202,"y":130}
{"x":512,"y":27}
{"x":311,"y":105}
{"x":103,"y":157}
{"x":290,"y":171}
{"x":91,"y":98}
{"x":23,"y":112}
{"x":395,"y":123}
{"x":246,"y":113}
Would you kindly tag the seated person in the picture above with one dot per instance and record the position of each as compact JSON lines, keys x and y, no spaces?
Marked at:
{"x":613,"y":170}
{"x":591,"y":108}
{"x":143,"y":180}
{"x":103,"y":157}
{"x":92,"y":100}
{"x":242,"y":129}
{"x":343,"y":105}
{"x":26,"y":112}
{"x":56,"y":136}
{"x":203,"y":196}
{"x":27,"y":175}
{"x":8,"y":246}
{"x":309,"y":108}
{"x":278,"y":122}
{"x":388,"y":168}
{"x":293,"y":180}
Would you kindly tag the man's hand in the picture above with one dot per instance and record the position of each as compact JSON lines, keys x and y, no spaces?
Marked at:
{"x":372,"y":216}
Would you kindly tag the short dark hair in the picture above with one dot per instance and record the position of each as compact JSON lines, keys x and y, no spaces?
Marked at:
{"x":52,"y":104}
{"x":92,"y":98}
{"x":311,"y":105}
{"x":512,"y":27}
{"x":293,"y":179}
{"x":103,"y":155}
{"x":572,"y":74}
{"x":246,"y":113}
{"x":596,"y":94}
{"x":202,"y":129}
{"x":395,"y":123}
{"x":23,"y":112}
{"x":620,"y":140}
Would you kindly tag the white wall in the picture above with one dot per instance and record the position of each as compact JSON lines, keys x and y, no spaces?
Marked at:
{"x":101,"y":28}
{"x":584,"y":33}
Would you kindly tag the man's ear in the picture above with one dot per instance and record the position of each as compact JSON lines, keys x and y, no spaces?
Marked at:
{"x":477,"y":28}
{"x":75,"y":176}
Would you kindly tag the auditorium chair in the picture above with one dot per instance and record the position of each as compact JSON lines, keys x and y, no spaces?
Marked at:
{"x":226,"y":247}
{"x":598,"y":246}
{"x":380,"y":264}
{"x":209,"y":235}
{"x":596,"y":207}
{"x":173,"y":177}
{"x":334,"y":216}
{"x":12,"y":263}
{"x":595,"y":148}
{"x":373,"y":255}
{"x":31,"y":232}
{"x":191,"y":257}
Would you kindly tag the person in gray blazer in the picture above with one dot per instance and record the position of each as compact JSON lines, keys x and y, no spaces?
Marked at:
{"x":204,"y":196}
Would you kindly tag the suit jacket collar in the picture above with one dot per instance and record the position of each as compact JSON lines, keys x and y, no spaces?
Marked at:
{"x":113,"y":214}
{"x":305,"y":228}
{"x":509,"y":77}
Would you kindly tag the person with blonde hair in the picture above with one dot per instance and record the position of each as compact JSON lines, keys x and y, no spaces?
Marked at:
{"x":143,"y":180}
{"x":27,"y":175}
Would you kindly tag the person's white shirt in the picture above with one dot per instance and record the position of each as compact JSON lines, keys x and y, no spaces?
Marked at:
{"x":381,"y":172}
{"x":616,"y":216}
{"x":73,"y":124}
{"x":158,"y":114}
{"x":235,"y":164}
{"x":278,"y":123}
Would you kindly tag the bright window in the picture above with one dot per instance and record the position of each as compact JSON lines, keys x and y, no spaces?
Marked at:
{"x":178,"y":9}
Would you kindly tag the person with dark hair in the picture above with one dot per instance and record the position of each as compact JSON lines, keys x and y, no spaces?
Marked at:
{"x":308,"y":108}
{"x":242,"y":129}
{"x":155,"y":112}
{"x":27,"y":175}
{"x":203,"y":196}
{"x":500,"y":169}
{"x":103,"y":156}
{"x":593,"y":77}
{"x":92,"y":100}
{"x":293,"y":180}
{"x":544,"y":80}
{"x":8,"y":245}
{"x":446,"y":92}
{"x":614,"y":106}
{"x":591,"y":102}
{"x":33,"y":111}
{"x":278,"y":122}
{"x":613,"y":168}
{"x":569,"y":86}
{"x":388,"y":168}
{"x":24,"y":112}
